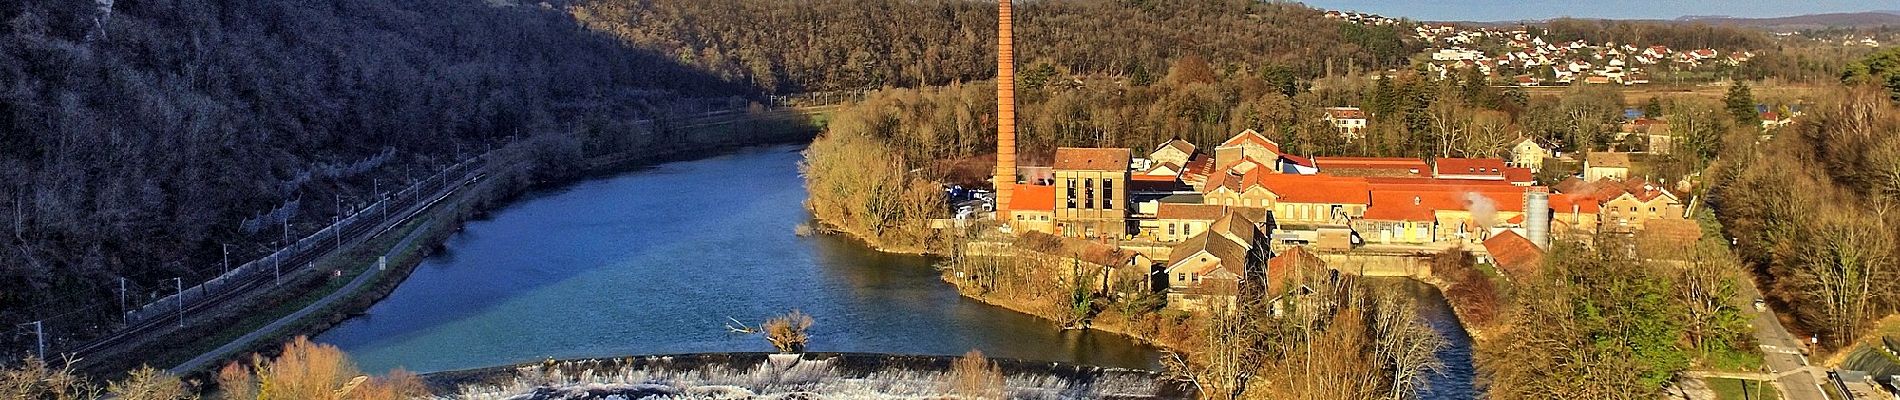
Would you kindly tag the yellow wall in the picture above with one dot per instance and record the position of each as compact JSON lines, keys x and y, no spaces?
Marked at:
{"x":1625,"y":213}
{"x":1086,"y":209}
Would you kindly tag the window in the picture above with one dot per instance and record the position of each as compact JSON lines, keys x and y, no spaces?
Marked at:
{"x":1652,"y":209}
{"x":1187,"y":229}
{"x":1108,"y":193}
{"x":1181,"y":276}
{"x":1019,"y":217}
{"x":1071,"y":191}
{"x":1170,"y":229}
{"x":1088,"y":193}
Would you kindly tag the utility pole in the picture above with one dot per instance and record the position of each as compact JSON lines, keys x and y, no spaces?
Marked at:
{"x":39,"y":335}
{"x":123,"y":315}
{"x":277,"y":270}
{"x":227,"y":258}
{"x":180,"y":282}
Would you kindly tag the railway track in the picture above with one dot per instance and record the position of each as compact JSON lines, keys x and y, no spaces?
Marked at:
{"x":213,"y":300}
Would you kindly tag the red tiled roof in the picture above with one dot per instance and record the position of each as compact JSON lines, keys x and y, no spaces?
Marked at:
{"x":1297,"y":159}
{"x":1325,"y":189}
{"x":1092,"y":159}
{"x":1565,"y":203}
{"x":1470,"y":166}
{"x":1515,"y":175}
{"x":1514,"y":254}
{"x":1415,"y":180}
{"x":1345,"y":113}
{"x":1033,"y":198}
{"x":1398,"y":203}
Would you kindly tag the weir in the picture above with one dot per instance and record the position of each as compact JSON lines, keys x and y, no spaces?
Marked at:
{"x":823,"y":375}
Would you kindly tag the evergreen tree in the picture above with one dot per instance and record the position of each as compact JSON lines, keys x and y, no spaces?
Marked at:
{"x":1741,"y":104}
{"x":1653,"y":109}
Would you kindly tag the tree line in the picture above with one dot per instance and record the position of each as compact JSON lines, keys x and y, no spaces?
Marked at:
{"x":1813,"y":211}
{"x":868,"y":44}
{"x":135,"y":137}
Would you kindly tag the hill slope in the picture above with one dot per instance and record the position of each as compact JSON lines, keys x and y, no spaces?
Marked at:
{"x":857,"y":44}
{"x":134,"y":137}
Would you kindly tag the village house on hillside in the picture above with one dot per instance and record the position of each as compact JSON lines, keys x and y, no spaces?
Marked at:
{"x":1606,"y":165}
{"x":1626,"y":205}
{"x":1349,"y":121}
{"x":1527,"y":153}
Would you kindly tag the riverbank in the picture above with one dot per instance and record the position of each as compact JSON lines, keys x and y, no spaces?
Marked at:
{"x":1120,"y":324}
{"x":501,"y":185}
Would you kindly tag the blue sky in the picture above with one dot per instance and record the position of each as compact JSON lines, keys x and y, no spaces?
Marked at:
{"x":1511,"y":10}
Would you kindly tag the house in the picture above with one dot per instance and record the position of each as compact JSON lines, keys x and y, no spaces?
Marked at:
{"x":1176,"y":152}
{"x":1317,"y":199}
{"x":1396,"y":217}
{"x":1212,"y":268}
{"x":1574,"y":215}
{"x":1625,"y":206}
{"x":1771,"y":120}
{"x":1177,"y":222}
{"x":1032,"y":209}
{"x":1527,"y":153}
{"x":1606,"y":165}
{"x":1349,"y":121}
{"x":1514,"y":256}
{"x":1440,"y":211}
{"x":1639,"y":203}
{"x":1247,"y":150}
{"x":1091,"y":192}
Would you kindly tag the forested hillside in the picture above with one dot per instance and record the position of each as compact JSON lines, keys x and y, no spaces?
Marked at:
{"x":866,"y":44}
{"x":137,"y":138}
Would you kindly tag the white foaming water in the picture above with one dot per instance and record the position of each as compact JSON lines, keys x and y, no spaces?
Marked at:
{"x":778,"y":379}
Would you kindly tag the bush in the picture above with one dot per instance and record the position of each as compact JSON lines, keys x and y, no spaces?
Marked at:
{"x":975,"y":377}
{"x":787,"y":332}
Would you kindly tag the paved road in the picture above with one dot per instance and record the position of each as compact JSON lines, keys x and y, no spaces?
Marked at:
{"x":1782,"y":352}
{"x":245,"y":341}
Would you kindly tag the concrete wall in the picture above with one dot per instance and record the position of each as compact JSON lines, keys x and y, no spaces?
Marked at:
{"x":1417,"y":266}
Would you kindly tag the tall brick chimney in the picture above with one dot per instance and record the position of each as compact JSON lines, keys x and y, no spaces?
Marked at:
{"x":1005,"y":109}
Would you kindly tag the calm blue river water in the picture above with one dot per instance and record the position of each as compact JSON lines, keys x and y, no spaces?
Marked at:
{"x":654,"y":261}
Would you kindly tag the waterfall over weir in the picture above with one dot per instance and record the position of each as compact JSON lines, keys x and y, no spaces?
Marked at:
{"x":772,"y":376}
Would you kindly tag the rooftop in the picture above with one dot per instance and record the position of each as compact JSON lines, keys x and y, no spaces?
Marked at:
{"x":1033,"y":198}
{"x":1608,"y":160}
{"x":1092,"y":159}
{"x":1514,"y":255}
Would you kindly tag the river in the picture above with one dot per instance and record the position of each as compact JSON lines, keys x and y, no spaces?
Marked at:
{"x":655,"y":261}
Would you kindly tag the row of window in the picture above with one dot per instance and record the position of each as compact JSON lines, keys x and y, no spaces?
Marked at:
{"x":1088,"y":188}
{"x":1188,"y":276}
